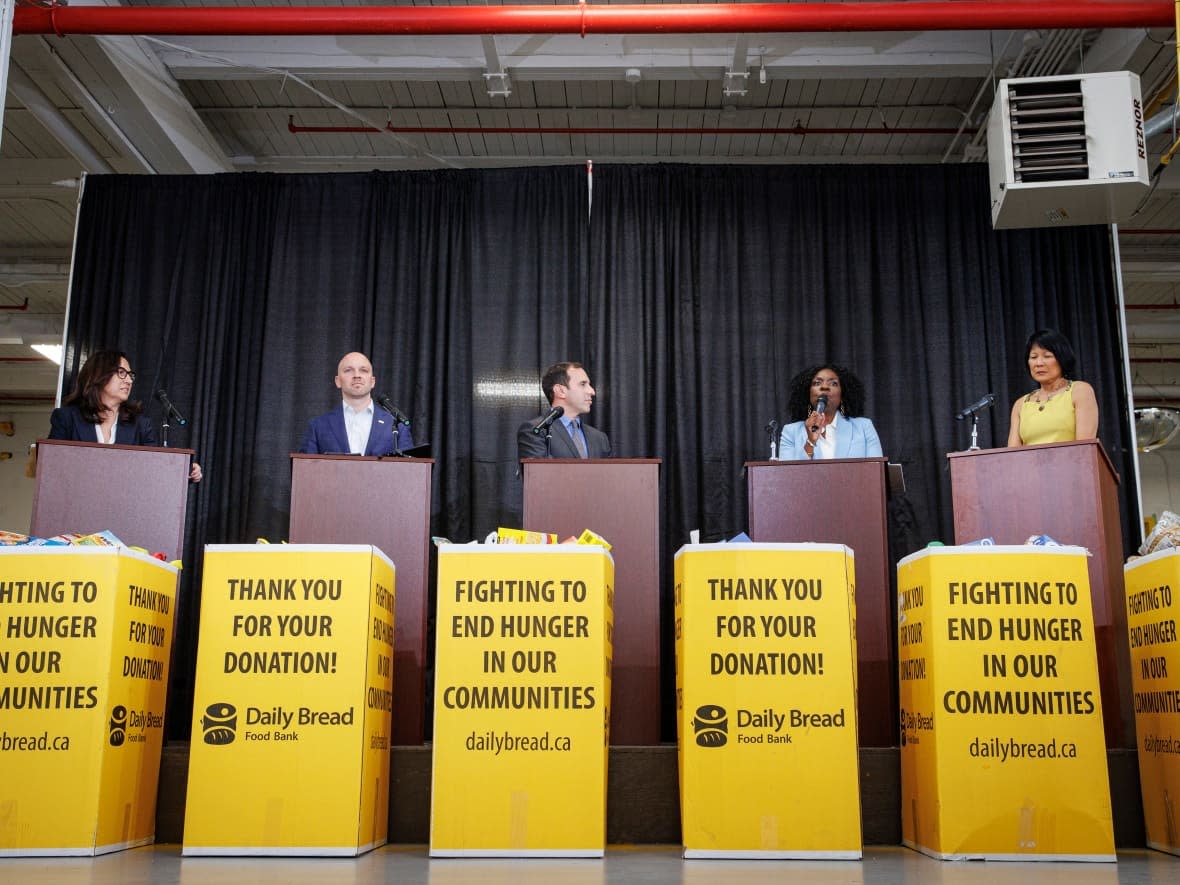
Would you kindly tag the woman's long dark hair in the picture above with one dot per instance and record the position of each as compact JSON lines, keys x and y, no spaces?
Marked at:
{"x":87,"y":393}
{"x":852,"y":392}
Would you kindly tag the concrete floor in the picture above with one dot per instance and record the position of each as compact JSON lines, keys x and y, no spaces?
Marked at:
{"x":409,"y":865}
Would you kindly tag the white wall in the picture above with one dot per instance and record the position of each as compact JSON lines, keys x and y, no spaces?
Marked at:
{"x":30,"y":423}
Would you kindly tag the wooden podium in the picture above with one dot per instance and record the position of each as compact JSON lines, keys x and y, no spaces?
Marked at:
{"x":385,"y":502}
{"x":840,"y":501}
{"x":617,"y":498}
{"x":1068,"y":491}
{"x":138,"y":492}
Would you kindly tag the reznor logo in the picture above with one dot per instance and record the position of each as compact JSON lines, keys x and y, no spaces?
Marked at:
{"x":1139,"y":140}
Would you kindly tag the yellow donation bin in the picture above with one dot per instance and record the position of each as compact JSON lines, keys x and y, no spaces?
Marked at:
{"x":83,"y":683}
{"x":1002,"y":749}
{"x":766,"y":701}
{"x":291,"y":717}
{"x":521,"y":701}
{"x":1152,"y":610}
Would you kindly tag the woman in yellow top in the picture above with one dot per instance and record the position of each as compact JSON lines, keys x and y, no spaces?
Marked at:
{"x":1061,"y":408}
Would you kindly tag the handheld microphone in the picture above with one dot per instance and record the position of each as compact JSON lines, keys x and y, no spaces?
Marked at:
{"x":398,"y":415}
{"x":544,"y":423}
{"x":986,"y":400}
{"x":821,"y":407}
{"x":171,"y":410}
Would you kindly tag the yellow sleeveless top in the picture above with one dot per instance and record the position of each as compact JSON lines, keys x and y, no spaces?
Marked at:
{"x":1054,"y":421}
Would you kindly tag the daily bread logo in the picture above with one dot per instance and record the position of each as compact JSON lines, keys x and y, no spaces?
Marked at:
{"x":131,"y":726}
{"x":711,"y":726}
{"x":219,"y":725}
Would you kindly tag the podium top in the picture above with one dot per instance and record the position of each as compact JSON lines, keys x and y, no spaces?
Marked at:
{"x":1042,"y":447}
{"x":791,"y":461}
{"x":404,"y":456}
{"x":592,"y":460}
{"x":113,"y":446}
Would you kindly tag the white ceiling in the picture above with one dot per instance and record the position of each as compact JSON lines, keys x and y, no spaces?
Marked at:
{"x":202,"y":104}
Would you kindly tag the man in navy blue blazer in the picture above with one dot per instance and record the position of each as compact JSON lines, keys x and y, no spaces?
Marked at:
{"x":356,"y":426}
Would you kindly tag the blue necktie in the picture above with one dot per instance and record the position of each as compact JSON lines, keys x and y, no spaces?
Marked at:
{"x":579,"y":442}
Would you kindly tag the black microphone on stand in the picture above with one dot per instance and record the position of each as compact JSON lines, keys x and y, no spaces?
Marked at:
{"x":544,"y":423}
{"x":398,"y":415}
{"x":986,"y":400}
{"x":173,"y":413}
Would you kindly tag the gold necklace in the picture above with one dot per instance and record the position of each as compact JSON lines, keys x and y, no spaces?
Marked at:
{"x":1044,"y":402}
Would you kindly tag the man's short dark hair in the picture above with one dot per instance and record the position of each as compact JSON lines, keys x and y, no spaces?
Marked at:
{"x":558,"y":373}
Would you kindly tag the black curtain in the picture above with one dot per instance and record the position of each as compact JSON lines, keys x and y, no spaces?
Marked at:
{"x":239,"y":294}
{"x":692,"y":293}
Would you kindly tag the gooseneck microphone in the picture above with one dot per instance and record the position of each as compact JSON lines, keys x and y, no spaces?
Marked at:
{"x":171,"y":410}
{"x":398,"y":415}
{"x":544,"y":423}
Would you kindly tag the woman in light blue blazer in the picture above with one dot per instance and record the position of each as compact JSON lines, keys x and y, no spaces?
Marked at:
{"x":824,"y":404}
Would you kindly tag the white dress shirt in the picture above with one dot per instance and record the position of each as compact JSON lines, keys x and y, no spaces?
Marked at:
{"x":358,"y":424}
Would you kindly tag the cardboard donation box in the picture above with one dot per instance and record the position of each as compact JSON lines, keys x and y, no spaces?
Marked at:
{"x":766,"y":701}
{"x":1152,"y":611}
{"x":291,"y":716}
{"x":1002,"y":749}
{"x":521,"y":701}
{"x":83,"y":684}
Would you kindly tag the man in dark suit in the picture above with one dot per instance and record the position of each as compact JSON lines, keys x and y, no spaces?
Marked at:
{"x":567,"y":387}
{"x":356,"y":427}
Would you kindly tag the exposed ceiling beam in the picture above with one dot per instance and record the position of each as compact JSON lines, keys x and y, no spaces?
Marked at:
{"x":561,"y":57}
{"x":495,"y":77}
{"x":48,"y":115}
{"x":128,"y":95}
{"x":6,"y":8}
{"x":1144,"y":271}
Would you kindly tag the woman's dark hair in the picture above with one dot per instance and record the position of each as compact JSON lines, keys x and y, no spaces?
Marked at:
{"x":1058,"y":345}
{"x":87,"y":392}
{"x":852,"y":392}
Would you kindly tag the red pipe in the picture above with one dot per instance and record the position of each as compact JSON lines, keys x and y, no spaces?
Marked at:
{"x":24,"y":306}
{"x":657,"y":18}
{"x":293,"y":127}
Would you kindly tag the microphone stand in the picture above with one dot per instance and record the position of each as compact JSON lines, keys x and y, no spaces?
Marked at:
{"x":397,"y":445}
{"x":164,"y":429}
{"x":974,"y":447}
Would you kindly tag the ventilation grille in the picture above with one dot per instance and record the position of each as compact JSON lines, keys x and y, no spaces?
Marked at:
{"x":1048,"y":131}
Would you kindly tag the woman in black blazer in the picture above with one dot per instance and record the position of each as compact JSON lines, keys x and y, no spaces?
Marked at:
{"x":99,"y":408}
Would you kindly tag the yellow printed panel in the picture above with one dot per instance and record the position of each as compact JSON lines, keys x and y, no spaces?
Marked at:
{"x":1003,"y":754}
{"x":522,"y":700}
{"x":1152,"y":608}
{"x":766,"y":701}
{"x":83,"y":682}
{"x":291,"y":717}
